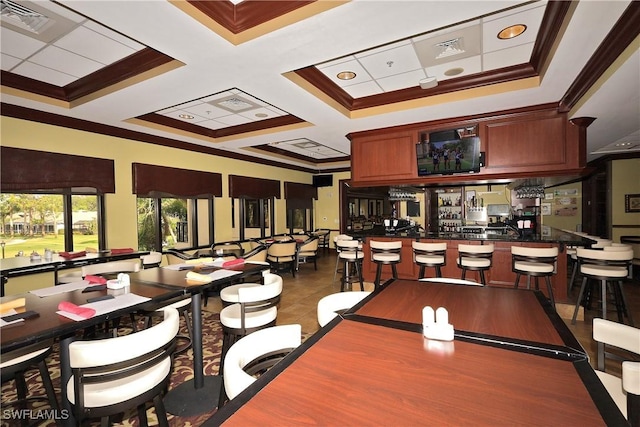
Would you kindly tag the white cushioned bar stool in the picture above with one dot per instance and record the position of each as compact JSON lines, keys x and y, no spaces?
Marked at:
{"x":605,"y":267}
{"x":14,"y":366}
{"x":335,"y":243}
{"x":624,"y":391}
{"x":429,"y":255}
{"x":475,"y":258}
{"x":385,"y":253}
{"x":350,"y":255}
{"x":333,"y":304}
{"x":534,"y":262}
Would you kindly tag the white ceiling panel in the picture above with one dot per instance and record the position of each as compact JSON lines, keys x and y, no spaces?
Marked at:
{"x":94,"y":46}
{"x":64,"y":61}
{"x":402,"y":81}
{"x":8,"y":62}
{"x":18,"y":45}
{"x":363,"y":89}
{"x":507,"y":57}
{"x":390,"y":62}
{"x":47,"y":75}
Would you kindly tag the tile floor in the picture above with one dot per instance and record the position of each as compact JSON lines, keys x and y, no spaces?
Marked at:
{"x":301,"y":294}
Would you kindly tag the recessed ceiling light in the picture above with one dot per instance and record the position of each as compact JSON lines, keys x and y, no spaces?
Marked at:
{"x":623,"y":144}
{"x":454,"y":71}
{"x":262,"y":115}
{"x":346,"y":75}
{"x":512,"y":31}
{"x":186,"y":116}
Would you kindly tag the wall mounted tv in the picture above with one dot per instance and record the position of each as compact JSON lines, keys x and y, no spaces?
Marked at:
{"x":450,"y":156}
{"x":322,"y":180}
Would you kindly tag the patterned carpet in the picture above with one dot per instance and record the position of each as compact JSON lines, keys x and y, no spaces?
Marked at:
{"x":182,"y":371}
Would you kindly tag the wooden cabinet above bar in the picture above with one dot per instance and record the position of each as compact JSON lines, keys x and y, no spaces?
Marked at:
{"x":534,"y":142}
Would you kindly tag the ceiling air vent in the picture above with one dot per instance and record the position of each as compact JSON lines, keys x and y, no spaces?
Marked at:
{"x":23,"y":17}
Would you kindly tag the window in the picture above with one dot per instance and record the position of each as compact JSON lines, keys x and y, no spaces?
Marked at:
{"x":37,"y":221}
{"x":169,"y":227}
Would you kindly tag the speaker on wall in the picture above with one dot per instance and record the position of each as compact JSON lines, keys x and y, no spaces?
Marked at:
{"x":322,"y":180}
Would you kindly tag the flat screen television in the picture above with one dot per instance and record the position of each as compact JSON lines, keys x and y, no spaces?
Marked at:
{"x":322,"y":180}
{"x":448,"y":157}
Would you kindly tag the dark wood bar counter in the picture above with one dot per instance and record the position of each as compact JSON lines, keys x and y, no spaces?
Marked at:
{"x":500,"y":273}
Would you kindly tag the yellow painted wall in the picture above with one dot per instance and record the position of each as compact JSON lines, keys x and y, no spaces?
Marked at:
{"x":625,"y":179}
{"x":121,"y":206}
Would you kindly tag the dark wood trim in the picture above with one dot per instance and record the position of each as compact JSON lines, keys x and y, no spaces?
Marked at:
{"x":247,"y":14}
{"x":131,"y":66}
{"x":253,"y":188}
{"x":621,"y":35}
{"x":18,"y":112}
{"x":554,"y":16}
{"x":271,"y":123}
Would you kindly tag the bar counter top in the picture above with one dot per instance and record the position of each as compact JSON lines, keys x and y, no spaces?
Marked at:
{"x":553,"y":236}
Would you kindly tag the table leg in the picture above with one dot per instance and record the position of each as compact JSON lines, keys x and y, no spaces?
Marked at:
{"x":200,"y":395}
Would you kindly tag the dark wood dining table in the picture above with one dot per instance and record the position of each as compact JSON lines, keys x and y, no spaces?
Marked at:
{"x":50,"y":325}
{"x":373,"y":366}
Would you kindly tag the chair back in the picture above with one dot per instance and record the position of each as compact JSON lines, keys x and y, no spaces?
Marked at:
{"x":383,"y":252}
{"x":602,"y":257}
{"x":282,"y":251}
{"x":256,"y":353}
{"x":153,"y":259}
{"x":606,"y":332}
{"x":309,"y":247}
{"x":113,"y":371}
{"x":330,"y":305}
{"x":340,"y":237}
{"x":127,"y":266}
{"x":257,"y":254}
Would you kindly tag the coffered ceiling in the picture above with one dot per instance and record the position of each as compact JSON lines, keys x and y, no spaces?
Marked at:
{"x":259,"y":80}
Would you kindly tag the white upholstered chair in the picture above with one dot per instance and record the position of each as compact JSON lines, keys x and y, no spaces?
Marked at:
{"x":256,"y":353}
{"x":112,"y":267}
{"x":256,"y":309}
{"x":229,"y":294}
{"x":385,"y":253}
{"x":112,"y":375}
{"x":331,"y":305}
{"x":534,"y":262}
{"x":152,"y":259}
{"x":14,"y":366}
{"x":624,"y":391}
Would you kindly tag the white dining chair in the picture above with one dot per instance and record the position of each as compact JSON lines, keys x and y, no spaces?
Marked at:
{"x":329,"y":306}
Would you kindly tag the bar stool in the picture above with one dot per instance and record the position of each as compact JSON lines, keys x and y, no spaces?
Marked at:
{"x":335,"y":243}
{"x":350,"y":253}
{"x":475,"y":258}
{"x":385,"y":253}
{"x":605,"y":266}
{"x":534,"y":262}
{"x":599,"y":244}
{"x":429,"y":255}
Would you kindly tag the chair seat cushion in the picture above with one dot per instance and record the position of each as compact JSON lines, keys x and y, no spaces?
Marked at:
{"x":604,"y":270}
{"x":474,"y":262}
{"x":532,"y":267}
{"x":351,"y":255}
{"x":430,"y":259}
{"x":386,"y":257}
{"x":113,"y":392}
{"x":230,"y":293}
{"x":613,"y":385}
{"x":230,"y":317}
